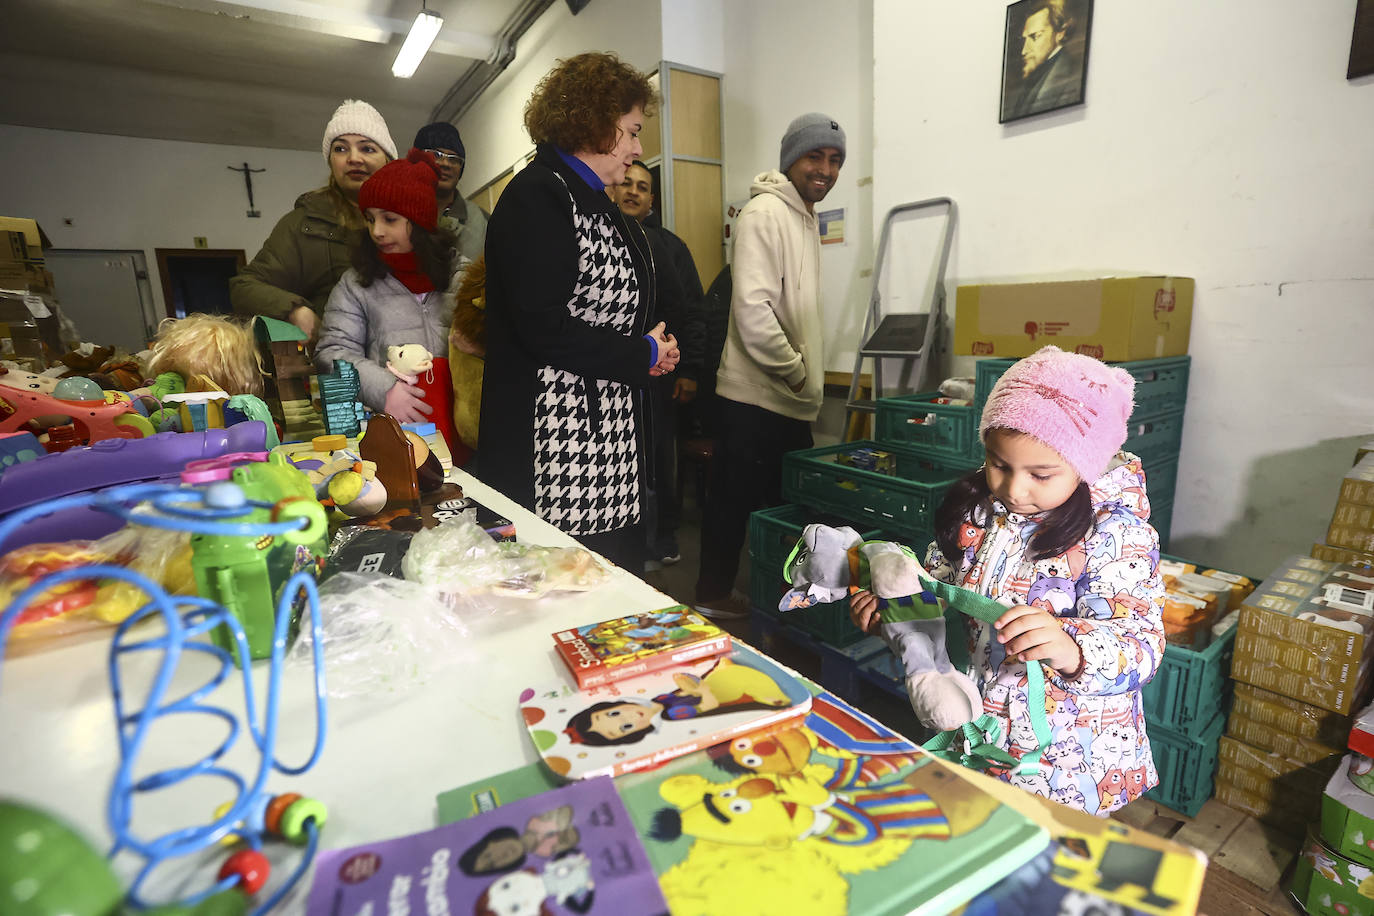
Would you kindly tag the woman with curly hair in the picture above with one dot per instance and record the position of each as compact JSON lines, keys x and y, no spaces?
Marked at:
{"x":570,"y":288}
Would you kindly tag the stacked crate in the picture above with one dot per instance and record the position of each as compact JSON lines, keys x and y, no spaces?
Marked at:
{"x":1155,"y":431}
{"x":1185,"y":714}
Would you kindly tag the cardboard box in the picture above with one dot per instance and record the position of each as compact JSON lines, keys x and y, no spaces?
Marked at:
{"x":35,"y":240}
{"x":1360,"y":540}
{"x":13,"y":246}
{"x":1115,"y":319}
{"x":25,"y":275}
{"x":1268,"y":775}
{"x":1305,"y":632}
{"x":1301,"y":720}
{"x":1279,"y":741}
{"x":1348,"y":812}
{"x":1342,"y":555}
{"x":1326,"y":883}
{"x":1357,"y":487}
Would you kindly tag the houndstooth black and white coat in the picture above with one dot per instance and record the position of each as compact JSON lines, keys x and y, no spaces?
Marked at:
{"x":570,"y":289}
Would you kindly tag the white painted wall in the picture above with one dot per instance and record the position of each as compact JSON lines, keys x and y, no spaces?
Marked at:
{"x":128,"y":193}
{"x":1219,"y":141}
{"x":694,"y":33}
{"x":494,"y":129}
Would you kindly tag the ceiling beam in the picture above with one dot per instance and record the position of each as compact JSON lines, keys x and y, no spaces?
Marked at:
{"x":359,"y":25}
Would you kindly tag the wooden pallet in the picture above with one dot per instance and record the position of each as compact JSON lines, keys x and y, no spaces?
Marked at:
{"x":1247,"y":861}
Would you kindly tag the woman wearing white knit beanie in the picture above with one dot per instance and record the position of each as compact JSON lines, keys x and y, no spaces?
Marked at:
{"x":308,"y":250}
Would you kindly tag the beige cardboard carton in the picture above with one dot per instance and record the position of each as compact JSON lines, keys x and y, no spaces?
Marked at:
{"x":1276,"y":740}
{"x":1120,"y":318}
{"x":35,"y":240}
{"x":1302,"y":720}
{"x":1305,"y":631}
{"x":1342,"y":555}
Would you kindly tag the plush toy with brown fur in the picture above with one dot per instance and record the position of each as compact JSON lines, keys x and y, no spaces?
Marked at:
{"x":467,"y":349}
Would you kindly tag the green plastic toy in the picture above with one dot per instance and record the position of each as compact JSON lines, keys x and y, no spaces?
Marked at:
{"x":247,"y":575}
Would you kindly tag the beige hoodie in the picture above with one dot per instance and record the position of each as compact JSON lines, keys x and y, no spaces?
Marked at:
{"x":775,"y":336}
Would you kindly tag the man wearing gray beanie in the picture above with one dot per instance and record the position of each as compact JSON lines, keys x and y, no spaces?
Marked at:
{"x":772,"y":369}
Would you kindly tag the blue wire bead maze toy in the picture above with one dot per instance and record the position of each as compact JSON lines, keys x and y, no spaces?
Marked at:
{"x":48,"y":868}
{"x":247,"y":575}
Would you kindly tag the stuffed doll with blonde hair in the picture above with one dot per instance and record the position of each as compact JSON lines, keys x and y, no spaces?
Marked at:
{"x":216,"y":347}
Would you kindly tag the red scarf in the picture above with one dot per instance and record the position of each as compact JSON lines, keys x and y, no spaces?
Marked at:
{"x":405,"y":268}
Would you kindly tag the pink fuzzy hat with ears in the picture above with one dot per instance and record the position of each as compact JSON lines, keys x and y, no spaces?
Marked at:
{"x":1075,"y":404}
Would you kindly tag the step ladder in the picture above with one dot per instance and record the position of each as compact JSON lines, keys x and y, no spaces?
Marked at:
{"x":905,"y":336}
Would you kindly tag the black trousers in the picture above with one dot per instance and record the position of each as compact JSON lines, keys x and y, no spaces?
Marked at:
{"x":662,"y":514}
{"x":624,"y":546}
{"x":746,"y":474}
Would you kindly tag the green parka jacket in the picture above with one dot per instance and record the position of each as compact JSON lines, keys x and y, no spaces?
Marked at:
{"x":299,"y":264}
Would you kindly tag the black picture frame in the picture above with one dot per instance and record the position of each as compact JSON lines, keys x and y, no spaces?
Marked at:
{"x":1362,"y":41}
{"x":1058,"y":45}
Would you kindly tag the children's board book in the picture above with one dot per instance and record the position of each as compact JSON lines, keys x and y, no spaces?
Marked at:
{"x":1098,"y":865}
{"x":493,"y":791}
{"x":572,"y":850}
{"x":645,"y":721}
{"x":613,"y":650}
{"x":834,"y":815}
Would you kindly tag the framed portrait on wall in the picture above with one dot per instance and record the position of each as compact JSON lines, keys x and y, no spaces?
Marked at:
{"x":1044,"y":57}
{"x":1362,"y":41}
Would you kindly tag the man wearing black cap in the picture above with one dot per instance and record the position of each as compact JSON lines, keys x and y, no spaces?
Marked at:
{"x":772,"y":370}
{"x":463,"y":219}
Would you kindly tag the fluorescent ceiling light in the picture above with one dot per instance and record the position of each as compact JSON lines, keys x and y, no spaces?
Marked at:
{"x":422,"y":34}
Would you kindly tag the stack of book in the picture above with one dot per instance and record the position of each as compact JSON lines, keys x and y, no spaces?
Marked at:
{"x":738,"y":788}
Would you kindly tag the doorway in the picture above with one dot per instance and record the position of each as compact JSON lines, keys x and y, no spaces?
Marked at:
{"x":197,"y":279}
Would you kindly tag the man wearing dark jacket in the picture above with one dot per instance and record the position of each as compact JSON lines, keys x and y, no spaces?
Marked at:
{"x":678,"y":304}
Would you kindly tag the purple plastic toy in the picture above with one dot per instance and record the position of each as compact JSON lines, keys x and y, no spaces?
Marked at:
{"x":108,"y":463}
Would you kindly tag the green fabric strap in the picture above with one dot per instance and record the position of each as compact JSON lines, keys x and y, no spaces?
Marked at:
{"x":976,"y":741}
{"x":974,"y":744}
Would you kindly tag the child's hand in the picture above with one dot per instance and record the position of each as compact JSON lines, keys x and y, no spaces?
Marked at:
{"x":863,"y":610}
{"x":405,"y":404}
{"x":1031,"y":634}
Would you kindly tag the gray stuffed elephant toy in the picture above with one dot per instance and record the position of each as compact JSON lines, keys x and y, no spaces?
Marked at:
{"x":829,"y":564}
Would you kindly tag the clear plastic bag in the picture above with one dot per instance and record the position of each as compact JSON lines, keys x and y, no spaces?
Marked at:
{"x":91,"y":605}
{"x":459,"y":558}
{"x":381,"y":635}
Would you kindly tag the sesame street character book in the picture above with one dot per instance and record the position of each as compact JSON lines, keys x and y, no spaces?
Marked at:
{"x":834,"y":815}
{"x":645,"y":721}
{"x":613,"y":650}
{"x":571,"y":850}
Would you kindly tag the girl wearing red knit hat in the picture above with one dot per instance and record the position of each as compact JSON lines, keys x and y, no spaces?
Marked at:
{"x":396,"y":295}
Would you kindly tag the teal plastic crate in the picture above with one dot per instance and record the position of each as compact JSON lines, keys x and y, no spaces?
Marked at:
{"x":948,"y":431}
{"x":772,"y":535}
{"x":1162,"y":517}
{"x":1190,"y":688}
{"x":902,"y":504}
{"x":1155,"y":439}
{"x":1186,"y":765}
{"x":1161,"y":385}
{"x":1161,"y":479}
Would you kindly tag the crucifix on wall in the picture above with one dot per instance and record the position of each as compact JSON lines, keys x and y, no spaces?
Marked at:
{"x":248,"y":180}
